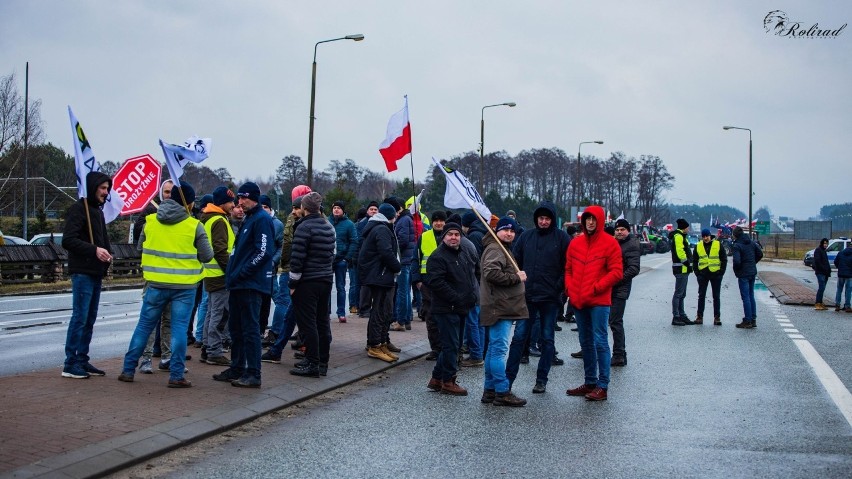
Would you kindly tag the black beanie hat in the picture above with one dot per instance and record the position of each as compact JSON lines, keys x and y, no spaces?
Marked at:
{"x":682,"y":224}
{"x":468,"y":219}
{"x":452,"y":226}
{"x":249,"y":190}
{"x":622,"y":223}
{"x":188,"y":197}
{"x":439,"y":216}
{"x":341,"y":204}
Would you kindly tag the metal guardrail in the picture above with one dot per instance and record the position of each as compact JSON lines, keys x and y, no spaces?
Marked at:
{"x":48,"y":263}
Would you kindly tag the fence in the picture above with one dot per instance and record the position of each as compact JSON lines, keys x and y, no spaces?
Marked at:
{"x":785,"y":246}
{"x":48,"y":263}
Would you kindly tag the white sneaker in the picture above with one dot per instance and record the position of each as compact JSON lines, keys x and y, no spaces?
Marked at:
{"x":145,"y":368}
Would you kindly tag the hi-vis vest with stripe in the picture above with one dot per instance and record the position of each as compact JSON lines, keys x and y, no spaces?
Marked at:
{"x":168,"y":253}
{"x":709,"y":261}
{"x":427,"y":246}
{"x":212,"y":268}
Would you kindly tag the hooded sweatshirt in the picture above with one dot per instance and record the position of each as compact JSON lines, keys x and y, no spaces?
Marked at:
{"x":540,"y":252}
{"x":593,"y":264}
{"x":82,"y":258}
{"x":378,"y":259}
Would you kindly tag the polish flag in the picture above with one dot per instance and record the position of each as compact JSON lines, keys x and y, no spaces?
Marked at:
{"x":398,"y":141}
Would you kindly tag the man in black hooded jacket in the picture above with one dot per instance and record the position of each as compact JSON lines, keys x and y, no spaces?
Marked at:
{"x":89,"y":256}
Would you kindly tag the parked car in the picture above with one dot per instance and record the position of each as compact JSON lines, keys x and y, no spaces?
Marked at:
{"x":15,"y":240}
{"x":693,"y":239}
{"x":45,"y":238}
{"x":834,"y":246}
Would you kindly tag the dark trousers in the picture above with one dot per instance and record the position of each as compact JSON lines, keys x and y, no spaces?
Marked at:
{"x":244,"y":308}
{"x":616,"y":325}
{"x":447,"y":365}
{"x":310,"y":302}
{"x":381,"y":315}
{"x":364,"y":301}
{"x":265,"y":308}
{"x":716,"y":284}
{"x":431,"y":326}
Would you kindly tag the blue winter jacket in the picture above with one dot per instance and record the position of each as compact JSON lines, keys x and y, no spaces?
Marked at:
{"x":250,"y":266}
{"x":843,"y":261}
{"x":404,"y":229}
{"x":347,"y":238}
{"x":746,"y":256}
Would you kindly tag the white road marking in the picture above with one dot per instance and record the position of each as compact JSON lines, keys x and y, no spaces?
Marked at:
{"x":832,"y":384}
{"x":791,"y":330}
{"x":795,"y":336}
{"x":14,"y":334}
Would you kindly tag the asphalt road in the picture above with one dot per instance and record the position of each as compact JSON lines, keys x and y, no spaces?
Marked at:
{"x":33,"y":328}
{"x":694,"y":401}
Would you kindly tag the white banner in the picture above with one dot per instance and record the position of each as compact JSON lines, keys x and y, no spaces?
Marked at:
{"x":85,"y":163}
{"x":461,"y":193}
{"x":194,"y":149}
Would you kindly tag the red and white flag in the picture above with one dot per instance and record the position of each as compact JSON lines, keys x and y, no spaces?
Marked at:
{"x":398,"y":139}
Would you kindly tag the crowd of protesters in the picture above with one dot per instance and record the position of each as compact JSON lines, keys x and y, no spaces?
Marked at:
{"x":485,"y":287}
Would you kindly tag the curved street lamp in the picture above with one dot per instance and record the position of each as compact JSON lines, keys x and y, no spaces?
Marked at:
{"x":482,"y":139}
{"x":577,"y":178}
{"x":750,"y":191}
{"x":357,"y":37}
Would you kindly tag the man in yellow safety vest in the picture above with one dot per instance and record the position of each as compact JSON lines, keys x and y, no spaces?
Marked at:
{"x":709,"y":263}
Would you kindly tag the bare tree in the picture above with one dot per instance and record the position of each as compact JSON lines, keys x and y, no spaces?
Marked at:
{"x":12,"y":116}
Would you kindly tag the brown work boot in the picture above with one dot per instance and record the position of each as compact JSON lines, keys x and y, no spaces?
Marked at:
{"x":434,"y":384}
{"x":450,"y":387}
{"x":699,"y":319}
{"x":717,"y":321}
{"x":376,"y":352}
{"x":508,"y":399}
{"x":820,"y":307}
{"x":384,"y":348}
{"x":488,"y":396}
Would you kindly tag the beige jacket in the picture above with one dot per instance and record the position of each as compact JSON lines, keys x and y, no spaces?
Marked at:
{"x":501,"y":291}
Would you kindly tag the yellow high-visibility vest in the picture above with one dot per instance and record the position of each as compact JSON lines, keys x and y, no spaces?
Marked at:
{"x":212,"y":268}
{"x":709,"y":261}
{"x":168,"y":253}
{"x":427,"y":246}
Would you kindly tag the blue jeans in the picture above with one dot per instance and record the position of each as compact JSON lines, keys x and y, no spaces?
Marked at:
{"x":282,"y":301}
{"x":447,"y":365}
{"x":354,"y":287}
{"x":199,"y":318}
{"x":592,"y":326}
{"x":495,"y":358}
{"x":474,"y":334}
{"x":244,"y":323}
{"x":288,"y":325}
{"x":746,"y":285}
{"x":841,"y":282}
{"x":402,"y":304}
{"x":340,"y":286}
{"x":822,"y":280}
{"x":543,"y":313}
{"x":681,"y":281}
{"x":153,"y":302}
{"x":85,"y":297}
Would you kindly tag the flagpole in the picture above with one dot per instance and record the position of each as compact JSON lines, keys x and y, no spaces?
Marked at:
{"x":411,"y":160}
{"x":26,"y":143}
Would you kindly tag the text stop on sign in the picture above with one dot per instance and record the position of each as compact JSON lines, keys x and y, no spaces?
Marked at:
{"x":137,"y":182}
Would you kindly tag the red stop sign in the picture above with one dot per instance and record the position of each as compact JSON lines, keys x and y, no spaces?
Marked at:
{"x":137,"y":182}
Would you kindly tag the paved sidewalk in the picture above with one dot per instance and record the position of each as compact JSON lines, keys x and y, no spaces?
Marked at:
{"x":789,"y":290}
{"x":59,"y":427}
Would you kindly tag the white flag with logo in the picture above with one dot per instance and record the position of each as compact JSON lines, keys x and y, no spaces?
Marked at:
{"x":461,"y":193}
{"x":85,"y":163}
{"x":194,"y":150}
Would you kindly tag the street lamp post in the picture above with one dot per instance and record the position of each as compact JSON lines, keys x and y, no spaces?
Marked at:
{"x":577,"y":178}
{"x":357,"y":37}
{"x":750,"y":191}
{"x":482,"y":139}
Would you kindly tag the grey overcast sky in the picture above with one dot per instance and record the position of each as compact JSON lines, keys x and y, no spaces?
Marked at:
{"x":651,"y":77}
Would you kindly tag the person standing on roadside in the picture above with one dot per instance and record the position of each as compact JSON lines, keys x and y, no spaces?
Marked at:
{"x":502,"y":303}
{"x":378,"y":264}
{"x":843,"y":261}
{"x":592,"y":267}
{"x":427,"y":243}
{"x":174,"y":249}
{"x":222,"y":238}
{"x":630,"y":254}
{"x":450,"y":276}
{"x":746,"y":256}
{"x":540,"y":252}
{"x":344,"y":255}
{"x":89,"y":258}
{"x":311,"y":276}
{"x":709,"y":262}
{"x":248,"y":278}
{"x":822,"y":269}
{"x":681,"y":267}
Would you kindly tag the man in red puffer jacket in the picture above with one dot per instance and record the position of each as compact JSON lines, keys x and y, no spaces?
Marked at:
{"x":593,"y":266}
